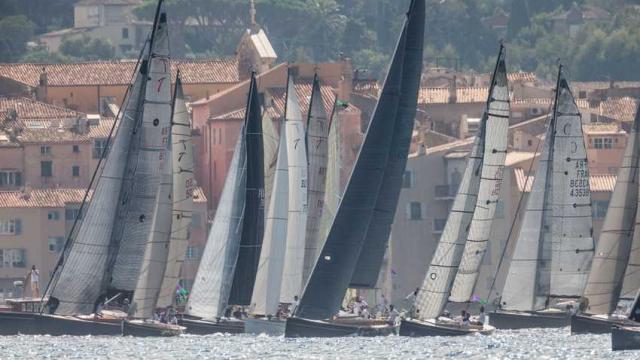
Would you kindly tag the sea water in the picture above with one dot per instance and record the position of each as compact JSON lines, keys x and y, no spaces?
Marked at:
{"x":512,"y":344}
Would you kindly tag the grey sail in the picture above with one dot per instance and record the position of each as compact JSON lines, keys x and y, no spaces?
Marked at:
{"x":317,"y":133}
{"x":144,"y":170}
{"x":437,"y":284}
{"x":270,"y":136}
{"x":211,"y":286}
{"x":335,"y":266}
{"x":292,"y":279}
{"x":631,"y":282}
{"x":81,"y":277}
{"x":572,"y":229}
{"x":183,"y":188}
{"x":527,"y":284}
{"x":495,"y":153}
{"x":266,"y":292}
{"x":333,"y":190}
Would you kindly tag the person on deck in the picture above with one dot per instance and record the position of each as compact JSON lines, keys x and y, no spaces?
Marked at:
{"x":464,"y":318}
{"x":34,"y":277}
{"x":411,"y":298}
{"x":393,"y":315}
{"x":294,"y":305}
{"x":482,"y":317}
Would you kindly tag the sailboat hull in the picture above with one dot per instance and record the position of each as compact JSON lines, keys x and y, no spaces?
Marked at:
{"x":143,"y":329}
{"x":300,"y":328}
{"x":416,"y":328}
{"x":583,"y":324}
{"x":527,"y":320}
{"x":204,"y":327}
{"x":625,"y":338}
{"x":14,"y":323}
{"x":272,"y":327}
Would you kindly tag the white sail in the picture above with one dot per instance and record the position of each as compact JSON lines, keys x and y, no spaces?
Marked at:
{"x":211,"y":286}
{"x":527,"y":284}
{"x":297,"y":223}
{"x":266,"y":292}
{"x":497,"y":126}
{"x":572,"y":227}
{"x":81,"y":278}
{"x":270,"y":145}
{"x":183,"y":188}
{"x":317,"y":132}
{"x":144,"y":170}
{"x":333,"y":190}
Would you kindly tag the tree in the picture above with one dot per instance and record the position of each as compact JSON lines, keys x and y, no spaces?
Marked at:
{"x":15,"y":32}
{"x":86,"y":48}
{"x":518,"y":18}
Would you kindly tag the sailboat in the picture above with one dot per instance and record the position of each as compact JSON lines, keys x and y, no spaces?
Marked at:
{"x":230,"y":260}
{"x":626,"y":336}
{"x":618,"y":237}
{"x":466,"y":233}
{"x":553,"y":252}
{"x":386,"y":141}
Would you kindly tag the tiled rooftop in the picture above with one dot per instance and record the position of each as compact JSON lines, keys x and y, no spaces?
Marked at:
{"x":119,"y":72}
{"x":303,"y":90}
{"x":29,"y":109}
{"x":463,"y":95}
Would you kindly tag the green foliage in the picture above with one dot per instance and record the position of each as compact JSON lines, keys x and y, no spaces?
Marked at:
{"x":41,"y":55}
{"x":519,"y":18}
{"x":85,"y":48}
{"x":15,"y":31}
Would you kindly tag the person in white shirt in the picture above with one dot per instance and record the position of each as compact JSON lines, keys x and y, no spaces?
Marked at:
{"x":393,"y":315}
{"x":294,"y":305}
{"x":482,"y":317}
{"x":34,"y":276}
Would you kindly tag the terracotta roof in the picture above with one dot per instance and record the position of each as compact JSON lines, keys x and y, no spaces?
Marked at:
{"x":52,"y":136}
{"x":602,"y":128}
{"x":521,"y":76}
{"x":109,"y":2}
{"x":119,"y":72}
{"x":238,"y":114}
{"x":199,"y":196}
{"x":621,"y":109}
{"x":303,"y":90}
{"x":102,"y":130}
{"x":463,"y":95}
{"x":29,"y":109}
{"x":601,"y":85}
{"x":41,"y":198}
{"x":597,"y":183}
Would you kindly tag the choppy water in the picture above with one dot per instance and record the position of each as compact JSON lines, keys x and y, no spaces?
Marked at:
{"x":521,"y":344}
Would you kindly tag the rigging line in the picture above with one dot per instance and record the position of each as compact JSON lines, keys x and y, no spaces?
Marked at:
{"x":70,"y":240}
{"x":518,"y":209}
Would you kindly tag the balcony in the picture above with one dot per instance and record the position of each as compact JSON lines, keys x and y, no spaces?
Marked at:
{"x":446,"y":192}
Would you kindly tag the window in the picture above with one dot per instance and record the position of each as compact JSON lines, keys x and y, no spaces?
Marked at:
{"x":608,"y":143}
{"x":407,"y":179}
{"x":414,"y":210}
{"x":75,"y":170}
{"x":10,"y":178}
{"x":125,"y":33}
{"x":72,"y":214}
{"x":16,"y":258}
{"x":46,"y":168}
{"x":11,"y":227}
{"x":603,"y":143}
{"x":76,"y":149}
{"x":193,"y":253}
{"x":599,"y":208}
{"x":99,"y":146}
{"x":53,"y":215}
{"x":438,"y":225}
{"x":45,"y":150}
{"x":56,"y":244}
{"x":196,"y":221}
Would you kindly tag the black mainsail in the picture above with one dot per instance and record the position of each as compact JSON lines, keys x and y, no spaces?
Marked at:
{"x":334,"y":268}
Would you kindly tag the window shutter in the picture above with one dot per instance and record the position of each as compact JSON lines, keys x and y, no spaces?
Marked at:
{"x":18,"y":179}
{"x":18,"y":226}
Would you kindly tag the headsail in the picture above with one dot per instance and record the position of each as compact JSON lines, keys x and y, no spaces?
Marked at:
{"x":183,"y":187}
{"x":614,"y":245}
{"x":298,"y":186}
{"x":333,"y":190}
{"x":572,"y":225}
{"x":317,"y":133}
{"x":266,"y":292}
{"x":335,"y":266}
{"x":253,"y":224}
{"x":495,"y":153}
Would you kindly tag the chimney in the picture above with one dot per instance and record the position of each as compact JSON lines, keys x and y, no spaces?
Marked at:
{"x":43,"y":84}
{"x":453,"y":91}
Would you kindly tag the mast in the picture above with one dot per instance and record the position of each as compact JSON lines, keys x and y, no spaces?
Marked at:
{"x":253,"y":224}
{"x":316,"y":140}
{"x":496,"y":125}
{"x":606,"y":277}
{"x":182,"y":194}
{"x":335,"y":267}
{"x":572,"y":226}
{"x":266,"y":292}
{"x":292,"y":278}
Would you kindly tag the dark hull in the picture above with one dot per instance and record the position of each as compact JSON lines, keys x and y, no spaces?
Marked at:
{"x":203,"y":327}
{"x":147,"y":330}
{"x":581,"y":324}
{"x":14,"y":323}
{"x":271,"y":327}
{"x":414,"y":328}
{"x":298,"y":327}
{"x":625,"y":338}
{"x":523,"y":320}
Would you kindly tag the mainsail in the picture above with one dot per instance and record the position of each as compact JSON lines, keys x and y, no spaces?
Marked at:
{"x":211,"y":286}
{"x":333,"y":190}
{"x":144,"y":171}
{"x":436,"y":286}
{"x":317,"y":133}
{"x":495,"y":153}
{"x":614,"y":245}
{"x":297,"y":217}
{"x":266,"y":292}
{"x":572,"y":225}
{"x":81,"y":276}
{"x":334,"y":268}
{"x":182,"y":195}
{"x":270,"y":138}
{"x":253,"y":224}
